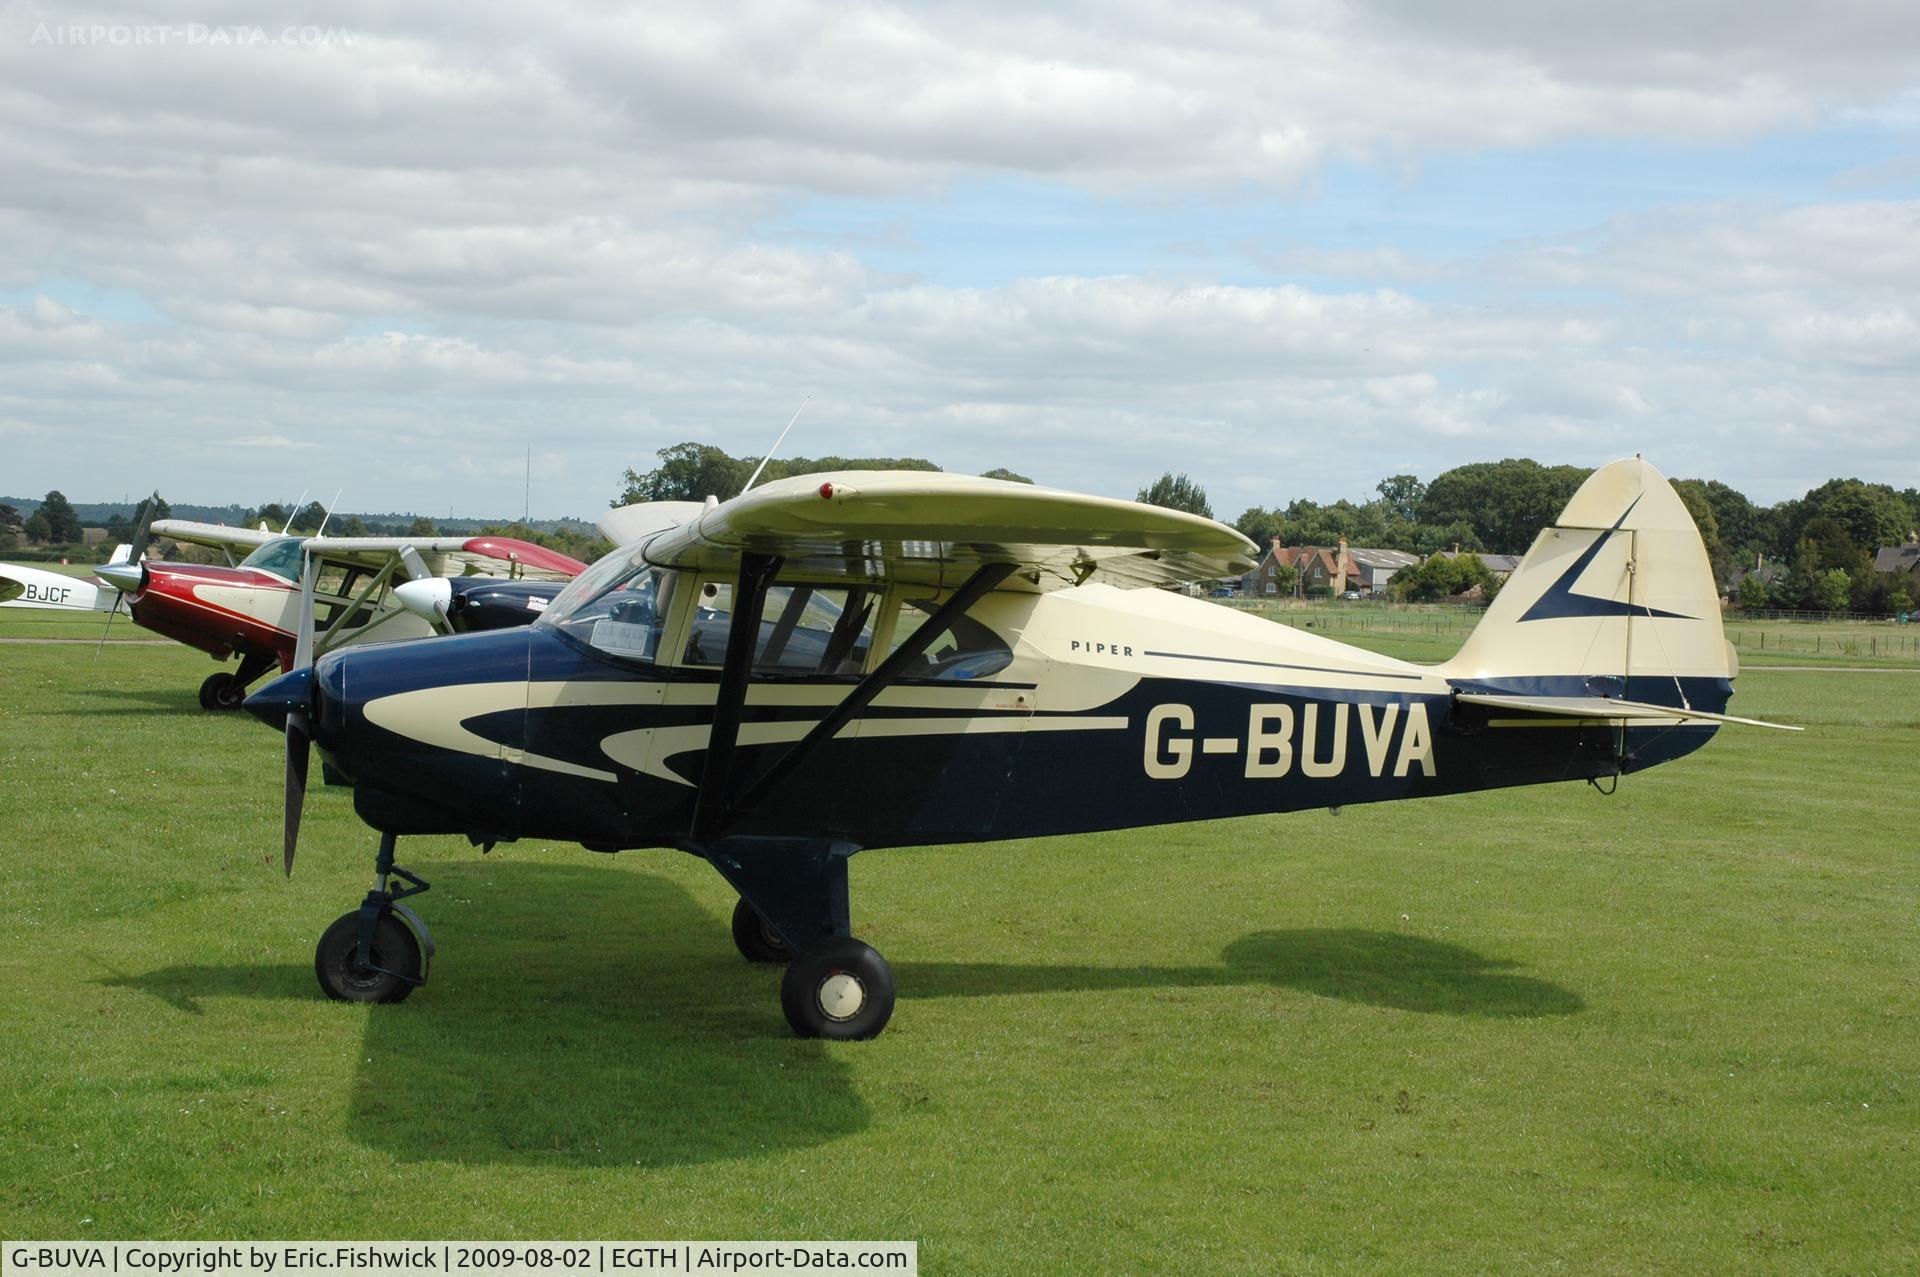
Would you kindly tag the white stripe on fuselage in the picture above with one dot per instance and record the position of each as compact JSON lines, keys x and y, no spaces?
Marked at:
{"x":437,"y":716}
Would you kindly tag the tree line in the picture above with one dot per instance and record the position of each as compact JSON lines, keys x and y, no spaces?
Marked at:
{"x":1817,"y":549}
{"x":695,"y":471}
{"x":57,"y":527}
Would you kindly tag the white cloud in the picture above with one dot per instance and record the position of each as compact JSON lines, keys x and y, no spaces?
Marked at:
{"x":470,"y":226}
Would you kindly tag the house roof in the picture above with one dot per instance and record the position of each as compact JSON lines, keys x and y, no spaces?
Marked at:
{"x":1897,"y":558}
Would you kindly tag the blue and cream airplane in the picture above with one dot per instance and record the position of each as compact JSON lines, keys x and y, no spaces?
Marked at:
{"x":852,"y":661}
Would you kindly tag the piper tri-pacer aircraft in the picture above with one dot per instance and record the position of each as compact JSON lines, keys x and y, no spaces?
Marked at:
{"x":851,"y":661}
{"x":365,"y":589}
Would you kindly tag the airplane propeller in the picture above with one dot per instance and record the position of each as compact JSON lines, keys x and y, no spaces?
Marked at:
{"x":135,"y":550}
{"x":299,"y":742}
{"x":299,"y":728}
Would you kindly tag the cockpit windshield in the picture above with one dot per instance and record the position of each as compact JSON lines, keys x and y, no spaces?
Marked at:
{"x":618,"y":606}
{"x":280,"y":556}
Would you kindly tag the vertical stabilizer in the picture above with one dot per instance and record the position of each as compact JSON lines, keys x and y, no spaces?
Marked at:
{"x":1616,"y":598}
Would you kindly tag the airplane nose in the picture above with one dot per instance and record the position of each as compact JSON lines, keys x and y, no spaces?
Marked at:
{"x":274,"y":701}
{"x":124,"y":577}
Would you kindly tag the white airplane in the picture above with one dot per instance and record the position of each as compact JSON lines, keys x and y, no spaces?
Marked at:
{"x":847,"y":662}
{"x":37,"y":588}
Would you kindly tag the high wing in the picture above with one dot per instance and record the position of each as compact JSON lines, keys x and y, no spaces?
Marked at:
{"x":938,"y":529}
{"x":1607,"y":709}
{"x":451,"y":556}
{"x":218,"y":535}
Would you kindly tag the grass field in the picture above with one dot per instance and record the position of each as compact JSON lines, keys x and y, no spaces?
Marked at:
{"x":1676,"y":1029}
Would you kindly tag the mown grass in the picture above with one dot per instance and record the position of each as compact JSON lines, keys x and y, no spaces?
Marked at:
{"x":1672,"y":1030}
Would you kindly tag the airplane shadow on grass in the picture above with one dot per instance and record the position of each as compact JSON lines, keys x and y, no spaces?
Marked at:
{"x":1375,"y":968}
{"x":580,"y":1018}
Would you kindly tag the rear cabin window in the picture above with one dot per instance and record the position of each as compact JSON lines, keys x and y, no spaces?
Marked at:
{"x":964,"y":648}
{"x":804,"y":629}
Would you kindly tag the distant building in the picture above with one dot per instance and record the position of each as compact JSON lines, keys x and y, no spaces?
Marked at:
{"x":1900,"y":558}
{"x":1501,"y":565}
{"x":1339,"y":568}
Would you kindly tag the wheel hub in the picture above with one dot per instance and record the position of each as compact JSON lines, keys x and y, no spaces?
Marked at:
{"x":841,"y":996}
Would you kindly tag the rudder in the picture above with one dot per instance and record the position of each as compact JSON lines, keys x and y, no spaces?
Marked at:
{"x":1616,"y":598}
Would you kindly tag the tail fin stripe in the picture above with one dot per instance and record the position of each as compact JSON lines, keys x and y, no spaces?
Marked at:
{"x":1559,"y":601}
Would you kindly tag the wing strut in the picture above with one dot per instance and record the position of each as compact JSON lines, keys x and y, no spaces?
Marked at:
{"x":743,"y":635}
{"x":884,"y":676}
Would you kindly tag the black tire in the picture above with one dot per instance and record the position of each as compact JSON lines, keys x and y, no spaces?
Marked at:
{"x":394,"y":948}
{"x":222,"y":691}
{"x":840,"y":989}
{"x":757,"y":941}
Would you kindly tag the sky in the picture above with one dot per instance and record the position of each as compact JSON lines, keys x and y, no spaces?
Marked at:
{"x":250,"y":249}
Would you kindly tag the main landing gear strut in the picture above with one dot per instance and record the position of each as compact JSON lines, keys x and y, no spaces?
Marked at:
{"x":228,"y":688}
{"x":834,"y":986}
{"x":380,"y":951}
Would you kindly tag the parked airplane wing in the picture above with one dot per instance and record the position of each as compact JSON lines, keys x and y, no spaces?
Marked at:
{"x":1589,"y":708}
{"x":936,"y":529}
{"x":218,"y":535}
{"x":455,"y":556}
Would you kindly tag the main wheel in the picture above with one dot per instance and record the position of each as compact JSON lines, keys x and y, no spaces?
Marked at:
{"x":840,"y":989}
{"x":395,"y":949}
{"x":222,"y":691}
{"x":757,"y":941}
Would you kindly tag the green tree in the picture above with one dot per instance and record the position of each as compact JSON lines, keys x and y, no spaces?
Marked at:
{"x":421,"y":526}
{"x":1831,"y":590}
{"x":39,"y":527}
{"x":1258,"y":525}
{"x":1001,"y":472}
{"x":1872,"y":513}
{"x":1505,"y":502}
{"x":1753,"y":592}
{"x":1440,"y":577}
{"x":353,"y":526}
{"x":63,"y":524}
{"x":1177,"y":492}
{"x":1403,"y":494}
{"x":157,"y":504}
{"x":273,"y":514}
{"x":687,"y":472}
{"x":1693,"y":495}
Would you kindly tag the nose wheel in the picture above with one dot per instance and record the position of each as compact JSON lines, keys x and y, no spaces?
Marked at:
{"x":380,"y":951}
{"x":393,"y":967}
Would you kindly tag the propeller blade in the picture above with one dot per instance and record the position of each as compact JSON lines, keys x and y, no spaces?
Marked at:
{"x":142,"y":535}
{"x":303,"y":643}
{"x":111,"y":613}
{"x":298,"y":742}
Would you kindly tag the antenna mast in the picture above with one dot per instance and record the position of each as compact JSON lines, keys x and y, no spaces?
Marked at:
{"x":755,"y":476}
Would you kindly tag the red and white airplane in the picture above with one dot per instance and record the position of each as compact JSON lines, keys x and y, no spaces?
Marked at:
{"x":357,"y":589}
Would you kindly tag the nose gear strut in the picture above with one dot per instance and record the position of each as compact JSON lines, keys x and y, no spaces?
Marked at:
{"x":380,"y":951}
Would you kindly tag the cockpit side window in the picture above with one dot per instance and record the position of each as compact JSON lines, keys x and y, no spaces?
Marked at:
{"x":804,"y":629}
{"x":617,"y":607}
{"x":280,"y":556}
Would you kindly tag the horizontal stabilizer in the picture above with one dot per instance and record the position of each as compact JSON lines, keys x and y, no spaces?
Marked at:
{"x":1605,"y":707}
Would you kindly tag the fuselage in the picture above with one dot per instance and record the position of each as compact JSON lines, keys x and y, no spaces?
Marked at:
{"x":25,"y":587}
{"x":1079,"y":710}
